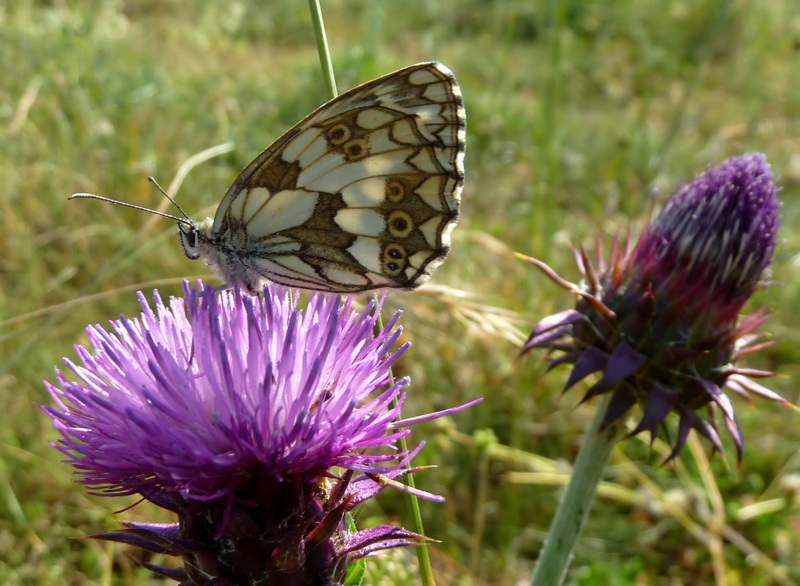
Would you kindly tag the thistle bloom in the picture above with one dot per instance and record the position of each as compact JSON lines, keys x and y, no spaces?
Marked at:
{"x":232,"y":410}
{"x":660,"y":322}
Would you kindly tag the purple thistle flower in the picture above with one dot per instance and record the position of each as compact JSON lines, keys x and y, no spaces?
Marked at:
{"x":660,"y":322}
{"x":231,"y":410}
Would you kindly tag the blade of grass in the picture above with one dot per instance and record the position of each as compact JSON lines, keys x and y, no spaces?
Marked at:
{"x":411,"y":500}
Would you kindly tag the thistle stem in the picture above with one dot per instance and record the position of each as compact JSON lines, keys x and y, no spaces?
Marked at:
{"x":573,"y":510}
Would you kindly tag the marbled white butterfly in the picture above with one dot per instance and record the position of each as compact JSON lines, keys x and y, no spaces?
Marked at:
{"x":362,"y":194}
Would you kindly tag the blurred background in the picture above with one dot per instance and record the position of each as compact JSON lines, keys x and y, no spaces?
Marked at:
{"x":582,"y":118}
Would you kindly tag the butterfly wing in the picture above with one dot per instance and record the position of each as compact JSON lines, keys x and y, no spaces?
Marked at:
{"x":361,"y":194}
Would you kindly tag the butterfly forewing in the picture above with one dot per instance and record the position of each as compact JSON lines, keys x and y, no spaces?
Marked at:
{"x":361,"y":194}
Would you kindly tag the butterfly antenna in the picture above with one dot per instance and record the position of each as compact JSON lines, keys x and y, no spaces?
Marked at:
{"x":187,"y":221}
{"x":175,"y":203}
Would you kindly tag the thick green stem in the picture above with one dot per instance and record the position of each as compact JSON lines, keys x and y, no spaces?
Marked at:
{"x":573,"y":510}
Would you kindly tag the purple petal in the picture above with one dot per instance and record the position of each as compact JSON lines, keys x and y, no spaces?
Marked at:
{"x":367,"y":541}
{"x":660,"y":401}
{"x":743,"y":384}
{"x":623,"y":362}
{"x":621,"y":401}
{"x":589,"y":361}
{"x":551,"y":328}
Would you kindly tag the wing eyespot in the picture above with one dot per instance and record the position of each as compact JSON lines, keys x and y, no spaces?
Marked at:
{"x":356,"y":149}
{"x":395,"y":190}
{"x":338,"y":134}
{"x":399,"y":224}
{"x":395,"y":259}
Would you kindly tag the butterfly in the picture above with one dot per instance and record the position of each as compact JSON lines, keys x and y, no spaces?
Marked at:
{"x":361,"y":194}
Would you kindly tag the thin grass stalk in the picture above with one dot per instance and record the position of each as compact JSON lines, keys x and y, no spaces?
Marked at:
{"x":412,"y":503}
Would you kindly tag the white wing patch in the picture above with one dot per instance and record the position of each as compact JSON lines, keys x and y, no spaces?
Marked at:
{"x":361,"y":221}
{"x":367,"y":252}
{"x":364,"y":192}
{"x":374,"y":118}
{"x":306,"y":147}
{"x":266,"y":215}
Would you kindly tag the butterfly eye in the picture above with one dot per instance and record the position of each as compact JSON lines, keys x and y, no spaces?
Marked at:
{"x":189,"y":241}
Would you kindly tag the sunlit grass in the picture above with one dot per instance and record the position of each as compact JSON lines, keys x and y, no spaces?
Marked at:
{"x":580,"y":119}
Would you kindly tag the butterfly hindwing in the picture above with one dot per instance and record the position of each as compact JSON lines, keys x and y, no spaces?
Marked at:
{"x":361,"y":194}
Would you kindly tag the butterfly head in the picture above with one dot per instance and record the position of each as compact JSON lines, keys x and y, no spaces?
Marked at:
{"x":200,"y":242}
{"x":193,"y":237}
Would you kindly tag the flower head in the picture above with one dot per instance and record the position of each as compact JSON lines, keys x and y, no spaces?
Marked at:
{"x":232,"y":411}
{"x":661,"y":321}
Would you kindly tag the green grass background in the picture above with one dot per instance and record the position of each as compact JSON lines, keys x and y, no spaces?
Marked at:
{"x":582,"y":116}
